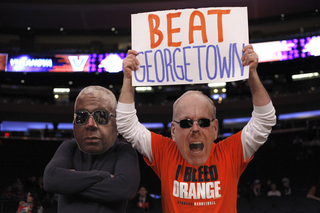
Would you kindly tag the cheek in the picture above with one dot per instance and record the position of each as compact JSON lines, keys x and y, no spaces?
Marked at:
{"x":182,"y":144}
{"x":108,"y":134}
{"x":212,"y":133}
{"x":212,"y":136}
{"x":77,"y":132}
{"x":180,"y":137}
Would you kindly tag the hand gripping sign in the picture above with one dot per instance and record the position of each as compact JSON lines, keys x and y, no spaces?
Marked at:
{"x":190,"y":46}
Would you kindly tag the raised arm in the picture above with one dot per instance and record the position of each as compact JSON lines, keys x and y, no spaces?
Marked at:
{"x":256,"y":132}
{"x":130,"y":63}
{"x":260,"y":96}
{"x":127,"y":121}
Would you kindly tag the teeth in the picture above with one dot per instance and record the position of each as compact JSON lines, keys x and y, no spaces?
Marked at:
{"x":196,"y":142}
{"x":196,"y":146}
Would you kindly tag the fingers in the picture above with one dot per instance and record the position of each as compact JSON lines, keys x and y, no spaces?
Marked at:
{"x":134,"y":52}
{"x":131,"y":62}
{"x":249,"y":57}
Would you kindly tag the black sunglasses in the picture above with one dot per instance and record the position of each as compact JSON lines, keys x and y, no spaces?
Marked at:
{"x":188,"y":123}
{"x":101,"y":117}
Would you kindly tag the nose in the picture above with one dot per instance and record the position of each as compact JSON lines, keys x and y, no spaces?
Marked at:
{"x":195,"y":126}
{"x":91,"y":121}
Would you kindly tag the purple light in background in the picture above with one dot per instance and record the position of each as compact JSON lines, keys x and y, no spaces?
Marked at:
{"x":302,"y":44}
{"x":24,"y":126}
{"x":299,"y":115}
{"x":92,"y":66}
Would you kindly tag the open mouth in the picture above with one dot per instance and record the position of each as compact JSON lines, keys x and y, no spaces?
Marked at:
{"x":196,"y":147}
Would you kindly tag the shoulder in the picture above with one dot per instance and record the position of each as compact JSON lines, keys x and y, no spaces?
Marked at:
{"x":163,"y":146}
{"x":231,"y":139}
{"x":231,"y":145}
{"x":162,"y":143}
{"x":161,"y":139}
{"x":68,"y":145}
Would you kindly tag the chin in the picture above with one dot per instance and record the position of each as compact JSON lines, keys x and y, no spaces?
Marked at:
{"x":92,"y":151}
{"x":196,"y":162}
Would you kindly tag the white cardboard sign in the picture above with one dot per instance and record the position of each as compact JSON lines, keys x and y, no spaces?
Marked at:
{"x":190,"y":46}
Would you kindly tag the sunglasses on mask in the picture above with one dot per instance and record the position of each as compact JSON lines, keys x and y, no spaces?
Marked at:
{"x":101,"y":117}
{"x":188,"y":123}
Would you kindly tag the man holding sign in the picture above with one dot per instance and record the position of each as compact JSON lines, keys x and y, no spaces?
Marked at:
{"x":197,"y":175}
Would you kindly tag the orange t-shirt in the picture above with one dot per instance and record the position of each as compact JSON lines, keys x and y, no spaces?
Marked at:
{"x":208,"y":188}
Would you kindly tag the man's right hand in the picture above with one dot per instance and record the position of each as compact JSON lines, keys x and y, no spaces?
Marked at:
{"x":130,"y":63}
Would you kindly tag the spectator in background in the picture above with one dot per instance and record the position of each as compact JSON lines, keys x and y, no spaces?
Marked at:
{"x":267,"y":186}
{"x":31,"y":183}
{"x":16,"y":184}
{"x":257,"y":191}
{"x":20,"y":194}
{"x":93,"y":173}
{"x":286,"y":188}
{"x":31,"y":205}
{"x":274,"y":191}
{"x":143,"y":200}
{"x":8,"y":194}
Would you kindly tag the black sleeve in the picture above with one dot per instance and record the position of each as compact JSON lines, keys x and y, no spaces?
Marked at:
{"x":125,"y":182}
{"x":59,"y":178}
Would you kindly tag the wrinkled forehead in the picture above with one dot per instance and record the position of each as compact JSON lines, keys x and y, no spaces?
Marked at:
{"x":192,"y":98}
{"x":94,"y":99}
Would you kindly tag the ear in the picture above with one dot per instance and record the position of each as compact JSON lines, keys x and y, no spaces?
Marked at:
{"x":216,"y":128}
{"x":173,"y":129}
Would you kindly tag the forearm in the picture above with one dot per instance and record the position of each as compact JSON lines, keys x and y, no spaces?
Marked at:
{"x":256,"y":132}
{"x":60,"y":177}
{"x":123,"y":185}
{"x":64,"y":181}
{"x":119,"y":187}
{"x":260,"y":96}
{"x":129,"y":64}
{"x":127,"y":91}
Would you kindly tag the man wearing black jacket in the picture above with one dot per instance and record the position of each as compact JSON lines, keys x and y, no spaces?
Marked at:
{"x":94,"y":172}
